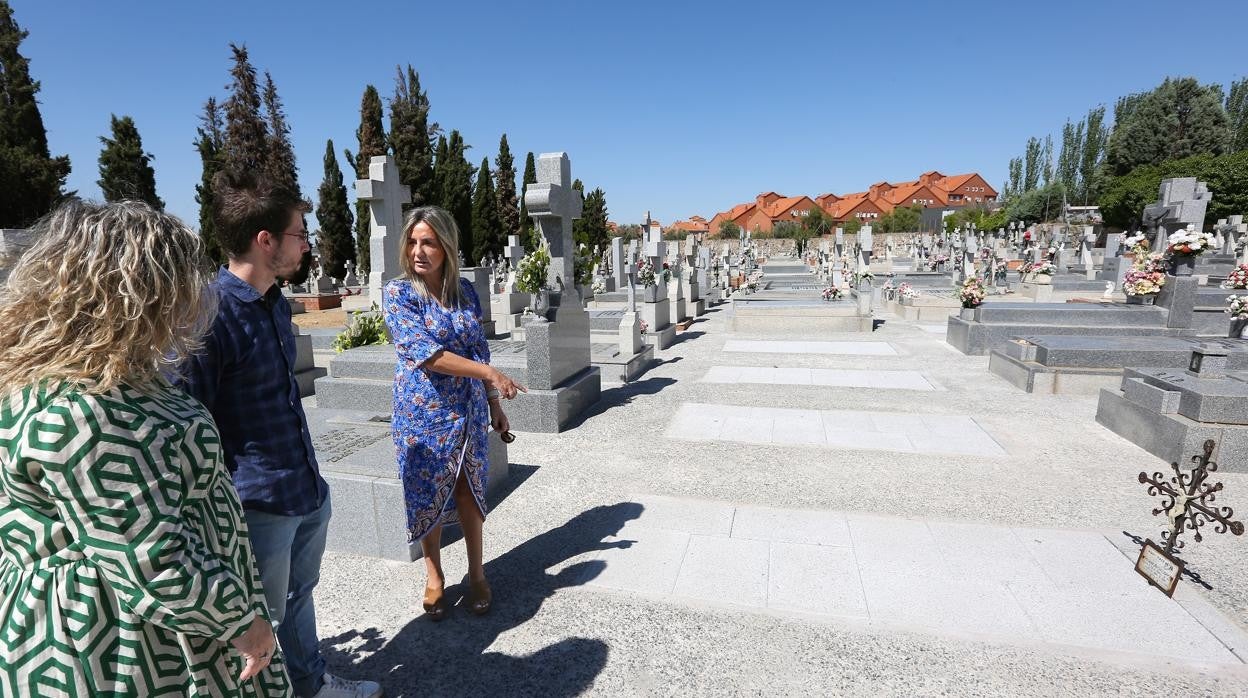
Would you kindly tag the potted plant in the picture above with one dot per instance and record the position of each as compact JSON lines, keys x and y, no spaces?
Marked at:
{"x":531,"y":279}
{"x":1237,"y":308}
{"x":1184,"y":246}
{"x":971,"y":295}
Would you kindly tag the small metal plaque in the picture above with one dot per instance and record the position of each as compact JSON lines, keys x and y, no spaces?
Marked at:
{"x":1194,"y":365}
{"x":1160,"y":569}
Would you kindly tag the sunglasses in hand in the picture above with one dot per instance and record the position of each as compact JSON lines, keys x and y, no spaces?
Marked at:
{"x":507,"y":437}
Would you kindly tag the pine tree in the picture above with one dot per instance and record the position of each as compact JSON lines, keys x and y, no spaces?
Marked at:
{"x":1071,"y":156}
{"x":507,"y":206}
{"x":332,"y":212}
{"x":280,"y":163}
{"x":410,"y":134}
{"x":125,"y":170}
{"x":1237,"y":112}
{"x":1094,"y":140}
{"x":210,"y":143}
{"x":457,"y":192}
{"x":31,"y":180}
{"x":487,"y":230}
{"x":579,"y":234}
{"x":1178,"y":119}
{"x":371,"y":136}
{"x":246,"y":136}
{"x":529,"y":235}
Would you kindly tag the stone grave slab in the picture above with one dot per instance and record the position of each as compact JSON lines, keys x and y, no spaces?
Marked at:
{"x":356,"y":455}
{"x":993,"y":323}
{"x":841,"y":378}
{"x":764,"y":346}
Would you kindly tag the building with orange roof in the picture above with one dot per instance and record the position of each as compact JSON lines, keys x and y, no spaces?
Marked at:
{"x":696,"y":225}
{"x":931,"y":190}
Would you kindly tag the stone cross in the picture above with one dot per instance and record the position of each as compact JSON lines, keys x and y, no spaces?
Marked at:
{"x":865,"y":244}
{"x":840,"y":241}
{"x":514,"y":251}
{"x":618,"y":264}
{"x":554,"y":204}
{"x":1181,"y":202}
{"x":631,"y":264}
{"x":385,"y":196}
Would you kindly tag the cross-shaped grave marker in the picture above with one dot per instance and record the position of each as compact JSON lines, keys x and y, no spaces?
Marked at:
{"x":385,"y":196}
{"x":553,"y":205}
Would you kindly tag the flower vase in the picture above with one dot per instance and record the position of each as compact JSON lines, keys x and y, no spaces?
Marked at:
{"x":1184,"y":264}
{"x":967,"y":313}
{"x":1142,"y":299}
{"x":650,"y":294}
{"x":1043,"y":279}
{"x":541,"y":305}
{"x":1239,"y":329}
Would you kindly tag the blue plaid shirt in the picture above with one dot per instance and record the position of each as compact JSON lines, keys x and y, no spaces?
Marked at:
{"x":245,"y":376}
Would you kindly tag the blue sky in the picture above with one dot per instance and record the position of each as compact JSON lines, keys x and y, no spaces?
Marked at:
{"x":674,"y":107}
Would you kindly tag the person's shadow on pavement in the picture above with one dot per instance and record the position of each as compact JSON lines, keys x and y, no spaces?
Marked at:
{"x":449,"y":658}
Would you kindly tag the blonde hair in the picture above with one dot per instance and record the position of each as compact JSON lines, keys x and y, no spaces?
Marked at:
{"x":448,"y":236}
{"x":108,"y":294}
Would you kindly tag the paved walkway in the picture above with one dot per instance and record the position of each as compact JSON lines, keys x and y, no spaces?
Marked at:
{"x":845,"y":514}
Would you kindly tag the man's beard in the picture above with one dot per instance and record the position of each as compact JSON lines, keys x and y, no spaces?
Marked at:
{"x":300,"y":275}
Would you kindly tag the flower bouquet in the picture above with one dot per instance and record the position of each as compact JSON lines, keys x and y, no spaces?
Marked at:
{"x":667,"y":272}
{"x":831,"y":293}
{"x":1237,"y":307}
{"x":905,"y":290}
{"x":1143,"y":282}
{"x":972,"y":293}
{"x":532,"y":269}
{"x":1043,"y":267}
{"x":645,"y":273}
{"x":1189,"y":242}
{"x":1238,"y":278}
{"x":600,"y":285}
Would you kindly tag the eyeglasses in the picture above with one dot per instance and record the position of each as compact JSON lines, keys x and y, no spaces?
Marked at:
{"x":302,"y":236}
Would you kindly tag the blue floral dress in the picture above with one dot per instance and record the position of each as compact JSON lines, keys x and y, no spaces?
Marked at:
{"x":440,"y":422}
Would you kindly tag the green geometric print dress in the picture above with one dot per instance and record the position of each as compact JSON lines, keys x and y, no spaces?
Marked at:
{"x":125,"y":567}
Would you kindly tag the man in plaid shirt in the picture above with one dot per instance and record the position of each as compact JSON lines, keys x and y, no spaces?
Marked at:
{"x":245,"y":377}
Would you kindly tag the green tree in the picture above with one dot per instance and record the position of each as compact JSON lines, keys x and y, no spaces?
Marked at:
{"x":31,"y":180}
{"x":1044,"y":204}
{"x":1071,"y":156}
{"x":1125,"y":107}
{"x":508,"y":206}
{"x":411,"y":136}
{"x":125,"y":170}
{"x":729,"y":229}
{"x":1046,"y":161}
{"x":487,"y":230}
{"x":246,"y":137}
{"x":371,"y":137}
{"x":1031,"y":165}
{"x":1125,"y":197}
{"x":210,"y":143}
{"x":903,"y":219}
{"x":440,"y":164}
{"x":818,"y":222}
{"x":280,"y":164}
{"x":1237,"y":112}
{"x":1014,"y":186}
{"x":1095,"y":138}
{"x":852,"y":226}
{"x":529,"y":236}
{"x":334,"y":215}
{"x":594,"y":230}
{"x":1177,"y":119}
{"x":457,"y":191}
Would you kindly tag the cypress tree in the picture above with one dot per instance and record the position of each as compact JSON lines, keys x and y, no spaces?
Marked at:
{"x":1177,"y":119}
{"x":595,"y":233}
{"x":456,"y":190}
{"x":280,"y":163}
{"x":210,"y":143}
{"x":487,"y":229}
{"x":439,"y":172}
{"x":31,"y":180}
{"x":125,"y":170}
{"x":332,"y":212}
{"x":410,"y":136}
{"x":529,"y":235}
{"x":508,"y":207}
{"x":246,"y":137}
{"x":579,"y":236}
{"x":371,"y":136}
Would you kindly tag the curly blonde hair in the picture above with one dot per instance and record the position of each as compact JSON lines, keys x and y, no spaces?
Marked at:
{"x":108,"y":294}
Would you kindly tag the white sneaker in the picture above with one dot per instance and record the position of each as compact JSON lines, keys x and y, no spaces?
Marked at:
{"x":337,"y":687}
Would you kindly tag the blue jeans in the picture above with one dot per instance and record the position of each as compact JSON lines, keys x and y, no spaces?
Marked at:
{"x":288,"y":553}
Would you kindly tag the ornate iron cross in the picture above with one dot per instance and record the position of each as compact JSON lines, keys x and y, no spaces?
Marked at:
{"x":1187,"y":498}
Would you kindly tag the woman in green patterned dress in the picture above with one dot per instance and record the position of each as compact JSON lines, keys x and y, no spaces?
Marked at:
{"x":125,"y":568}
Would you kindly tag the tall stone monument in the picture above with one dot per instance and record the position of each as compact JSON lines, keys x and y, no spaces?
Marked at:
{"x":385,"y":196}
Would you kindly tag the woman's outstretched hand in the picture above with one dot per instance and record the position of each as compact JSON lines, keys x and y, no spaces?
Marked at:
{"x":501,"y":382}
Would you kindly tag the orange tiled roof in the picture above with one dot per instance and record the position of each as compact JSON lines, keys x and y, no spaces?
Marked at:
{"x":954,"y":181}
{"x":779,"y":206}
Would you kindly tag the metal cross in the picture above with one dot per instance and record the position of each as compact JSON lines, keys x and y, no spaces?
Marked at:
{"x":1186,"y":498}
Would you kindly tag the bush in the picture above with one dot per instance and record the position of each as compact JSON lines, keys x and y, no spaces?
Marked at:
{"x":365,"y":329}
{"x":1125,"y":197}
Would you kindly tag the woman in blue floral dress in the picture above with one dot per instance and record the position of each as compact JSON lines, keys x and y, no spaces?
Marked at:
{"x":446,"y":397}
